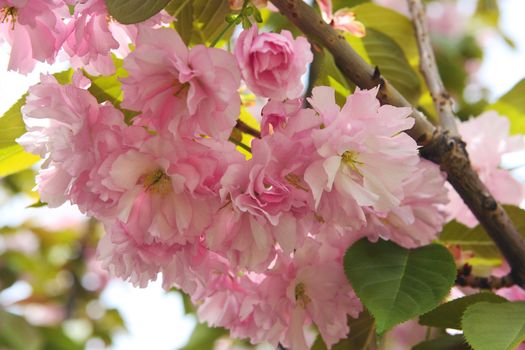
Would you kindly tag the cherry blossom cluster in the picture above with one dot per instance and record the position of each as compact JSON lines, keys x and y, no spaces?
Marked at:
{"x":257,"y":243}
{"x":77,"y":30}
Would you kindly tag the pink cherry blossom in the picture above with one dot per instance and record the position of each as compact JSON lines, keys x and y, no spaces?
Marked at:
{"x":308,"y":288}
{"x":419,"y":217}
{"x":343,"y":19}
{"x":186,"y":90}
{"x":268,"y":195}
{"x":64,"y":122}
{"x":362,"y":156}
{"x":289,"y":119}
{"x":34,"y":30}
{"x":166,"y":195}
{"x":487,"y":138}
{"x":130,"y":260}
{"x":272,"y":64}
{"x":93,"y":36}
{"x":89,"y":39}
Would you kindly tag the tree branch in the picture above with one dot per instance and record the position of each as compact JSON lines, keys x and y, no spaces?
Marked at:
{"x":466,"y":279}
{"x":245,"y":128}
{"x":442,"y":100}
{"x":440,"y":147}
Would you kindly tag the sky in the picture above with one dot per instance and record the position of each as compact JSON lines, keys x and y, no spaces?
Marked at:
{"x":156,"y":319}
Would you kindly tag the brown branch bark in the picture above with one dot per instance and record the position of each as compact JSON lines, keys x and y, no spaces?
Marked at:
{"x":442,"y":100}
{"x":245,"y":128}
{"x":465,"y":278}
{"x":440,"y":147}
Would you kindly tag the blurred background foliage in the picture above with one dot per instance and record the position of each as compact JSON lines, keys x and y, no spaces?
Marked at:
{"x":50,"y":281}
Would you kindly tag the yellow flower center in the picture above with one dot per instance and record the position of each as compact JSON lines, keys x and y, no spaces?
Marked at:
{"x":296,"y":182}
{"x":8,"y":14}
{"x":300,"y":295}
{"x":180,"y":87}
{"x":350,"y":159}
{"x":158,"y":182}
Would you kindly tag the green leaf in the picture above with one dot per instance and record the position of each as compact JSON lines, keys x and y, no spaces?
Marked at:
{"x":14,"y":159}
{"x":134,"y":11}
{"x":338,"y":4}
{"x":65,"y":77}
{"x":201,"y":21}
{"x":476,"y":239}
{"x":386,"y":54}
{"x":397,"y":26}
{"x":184,"y":23}
{"x":55,"y":339}
{"x":360,"y":336}
{"x":204,"y":337}
{"x":489,"y":326}
{"x":472,"y":239}
{"x":327,"y":74}
{"x":12,"y":124}
{"x":38,"y":204}
{"x":396,"y":284}
{"x":512,"y":105}
{"x":488,"y":11}
{"x":446,"y":342}
{"x":109,"y":88}
{"x":448,"y":315}
{"x":17,"y":334}
{"x":175,"y":7}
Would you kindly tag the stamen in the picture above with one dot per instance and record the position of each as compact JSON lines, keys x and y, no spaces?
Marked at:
{"x":8,"y":14}
{"x":182,"y":87}
{"x":350,"y":159}
{"x":158,"y":182}
{"x":296,"y":182}
{"x":300,"y":295}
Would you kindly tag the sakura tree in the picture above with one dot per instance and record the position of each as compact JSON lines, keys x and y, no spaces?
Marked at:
{"x":305,"y":173}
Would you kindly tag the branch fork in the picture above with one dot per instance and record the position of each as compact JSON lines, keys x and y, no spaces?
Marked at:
{"x":441,"y":145}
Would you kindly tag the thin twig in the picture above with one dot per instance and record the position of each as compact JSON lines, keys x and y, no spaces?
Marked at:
{"x":240,"y":144}
{"x":440,"y":147}
{"x":245,"y":128}
{"x":442,"y":100}
{"x":465,"y":278}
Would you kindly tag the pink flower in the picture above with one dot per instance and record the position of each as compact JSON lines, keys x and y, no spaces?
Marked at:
{"x":34,"y":30}
{"x":363,"y":157}
{"x":487,"y":138}
{"x":343,"y":19}
{"x":93,"y":36}
{"x":130,"y":260}
{"x":90,"y":41}
{"x":245,"y":240}
{"x":167,"y":195}
{"x":309,"y":287}
{"x":272,"y":64}
{"x":404,"y":336}
{"x":64,"y":124}
{"x":419,"y":217}
{"x":289,"y":119}
{"x":188,"y":91}
{"x":268,"y":195}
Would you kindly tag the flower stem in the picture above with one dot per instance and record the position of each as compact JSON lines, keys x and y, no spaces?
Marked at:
{"x":230,"y":24}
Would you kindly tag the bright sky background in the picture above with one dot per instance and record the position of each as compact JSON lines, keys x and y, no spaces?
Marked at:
{"x":156,"y":320}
